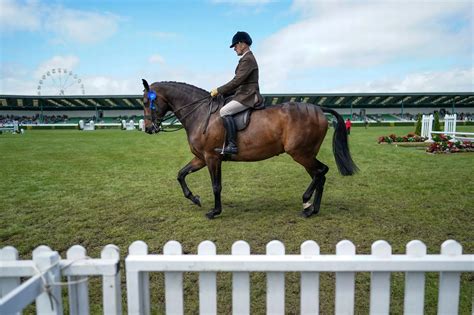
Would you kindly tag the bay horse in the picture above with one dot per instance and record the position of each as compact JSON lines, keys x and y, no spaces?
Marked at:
{"x":295,"y":128}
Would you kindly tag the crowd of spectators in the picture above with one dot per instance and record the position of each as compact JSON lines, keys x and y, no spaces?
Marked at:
{"x":357,"y":117}
{"x":465,"y":116}
{"x":36,"y":119}
{"x":128,"y":118}
{"x":55,"y":119}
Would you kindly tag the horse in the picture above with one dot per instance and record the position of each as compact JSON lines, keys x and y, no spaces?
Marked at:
{"x":297,"y":129}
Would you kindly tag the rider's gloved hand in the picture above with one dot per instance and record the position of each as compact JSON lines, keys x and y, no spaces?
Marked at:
{"x":214,"y":93}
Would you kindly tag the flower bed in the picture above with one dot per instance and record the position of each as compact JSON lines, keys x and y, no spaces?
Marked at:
{"x":442,"y":144}
{"x":411,"y":137}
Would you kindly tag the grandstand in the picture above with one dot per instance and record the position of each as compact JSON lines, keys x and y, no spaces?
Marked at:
{"x":376,"y":107}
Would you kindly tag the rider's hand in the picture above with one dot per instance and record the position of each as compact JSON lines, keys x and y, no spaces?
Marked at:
{"x":214,"y":93}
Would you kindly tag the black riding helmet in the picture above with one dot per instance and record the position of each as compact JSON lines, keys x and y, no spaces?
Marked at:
{"x":241,"y":37}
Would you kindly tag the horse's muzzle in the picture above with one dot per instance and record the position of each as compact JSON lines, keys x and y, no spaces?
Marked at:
{"x":152,"y":129}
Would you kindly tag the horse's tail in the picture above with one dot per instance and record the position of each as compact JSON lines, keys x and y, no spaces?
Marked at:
{"x":340,"y":146}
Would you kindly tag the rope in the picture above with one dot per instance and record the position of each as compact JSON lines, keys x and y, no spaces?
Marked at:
{"x":47,"y":287}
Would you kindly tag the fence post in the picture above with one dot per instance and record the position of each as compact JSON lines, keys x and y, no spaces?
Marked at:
{"x":345,"y":285}
{"x":78,"y":293}
{"x":240,"y":283}
{"x":138,"y":289}
{"x":449,"y":282}
{"x":309,"y":282}
{"x":450,"y":126}
{"x":275,"y":282}
{"x":380,"y":281}
{"x":111,"y":290}
{"x":207,"y":282}
{"x":8,"y":253}
{"x":173,"y":282}
{"x":415,"y":282}
{"x":424,"y":126}
{"x":49,"y":302}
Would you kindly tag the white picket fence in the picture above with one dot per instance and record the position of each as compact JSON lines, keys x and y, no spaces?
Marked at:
{"x":46,"y":270}
{"x":450,"y":263}
{"x":449,"y":129}
{"x":426,"y":126}
{"x":44,"y":284}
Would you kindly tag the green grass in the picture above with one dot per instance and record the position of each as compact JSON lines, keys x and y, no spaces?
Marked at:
{"x":66,"y":187}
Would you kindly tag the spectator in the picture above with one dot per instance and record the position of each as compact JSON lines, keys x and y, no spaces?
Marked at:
{"x":348,"y":126}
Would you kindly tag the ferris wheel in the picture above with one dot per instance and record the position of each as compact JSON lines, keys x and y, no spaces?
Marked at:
{"x":59,"y":81}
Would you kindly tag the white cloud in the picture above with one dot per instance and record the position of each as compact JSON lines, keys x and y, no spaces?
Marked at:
{"x":454,"y":80}
{"x":81,"y":26}
{"x":16,"y":80}
{"x":103,"y":85}
{"x":156,"y":59}
{"x":362,"y":34}
{"x":67,"y":25}
{"x":63,"y":62}
{"x":14,"y":16}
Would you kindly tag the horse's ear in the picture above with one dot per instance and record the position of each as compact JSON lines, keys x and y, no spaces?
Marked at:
{"x":145,"y":84}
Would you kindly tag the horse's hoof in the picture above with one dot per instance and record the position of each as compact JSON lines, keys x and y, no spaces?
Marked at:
{"x":307,"y":212}
{"x":212,"y":214}
{"x":196,"y":200}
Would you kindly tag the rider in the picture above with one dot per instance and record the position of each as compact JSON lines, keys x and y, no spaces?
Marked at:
{"x":244,"y":85}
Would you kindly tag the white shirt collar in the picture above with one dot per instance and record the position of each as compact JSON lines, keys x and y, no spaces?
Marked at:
{"x":245,"y":53}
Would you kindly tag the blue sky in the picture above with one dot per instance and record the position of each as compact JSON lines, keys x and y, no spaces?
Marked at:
{"x":302,"y":46}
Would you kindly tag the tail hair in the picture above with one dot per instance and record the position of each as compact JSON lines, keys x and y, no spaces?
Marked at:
{"x":340,"y":146}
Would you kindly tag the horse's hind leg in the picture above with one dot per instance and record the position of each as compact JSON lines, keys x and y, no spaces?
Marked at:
{"x":320,"y":180}
{"x":317,"y":171}
{"x":193,"y":166}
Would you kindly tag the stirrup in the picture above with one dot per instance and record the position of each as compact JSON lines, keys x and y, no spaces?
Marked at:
{"x":230,"y":150}
{"x":227,"y":150}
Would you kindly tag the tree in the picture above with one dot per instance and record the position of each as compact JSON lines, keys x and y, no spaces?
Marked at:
{"x":436,"y":124}
{"x":418,"y":125}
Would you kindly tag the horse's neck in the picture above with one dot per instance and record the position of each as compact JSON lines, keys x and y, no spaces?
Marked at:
{"x":188,"y":108}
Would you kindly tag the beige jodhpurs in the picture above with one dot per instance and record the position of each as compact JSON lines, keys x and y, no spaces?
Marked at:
{"x":231,"y":108}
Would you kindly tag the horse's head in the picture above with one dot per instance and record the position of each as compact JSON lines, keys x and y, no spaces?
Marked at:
{"x":155,"y":108}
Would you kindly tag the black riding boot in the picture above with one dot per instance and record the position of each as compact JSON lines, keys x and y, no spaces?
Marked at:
{"x":231,"y":135}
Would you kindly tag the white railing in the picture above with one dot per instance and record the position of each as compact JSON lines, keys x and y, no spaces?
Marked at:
{"x":129,"y":126}
{"x":45,"y":271}
{"x":426,"y":126}
{"x":449,"y":129}
{"x":450,"y":263}
{"x":13,"y":128}
{"x":90,"y":126}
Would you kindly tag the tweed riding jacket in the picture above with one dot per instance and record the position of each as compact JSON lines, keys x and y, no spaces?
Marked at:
{"x":245,"y":82}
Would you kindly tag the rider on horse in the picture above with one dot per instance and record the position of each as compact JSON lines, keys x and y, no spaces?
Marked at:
{"x":245,"y":87}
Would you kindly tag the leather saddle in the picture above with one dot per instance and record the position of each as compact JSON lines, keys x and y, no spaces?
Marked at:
{"x":242,"y":119}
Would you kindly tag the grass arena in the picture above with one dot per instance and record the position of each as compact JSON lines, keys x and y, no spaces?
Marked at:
{"x":66,"y":187}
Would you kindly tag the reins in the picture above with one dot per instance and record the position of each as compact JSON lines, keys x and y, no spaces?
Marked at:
{"x":169,"y":117}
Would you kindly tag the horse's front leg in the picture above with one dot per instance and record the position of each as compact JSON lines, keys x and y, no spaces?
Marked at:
{"x":195,"y":165}
{"x":214,"y":165}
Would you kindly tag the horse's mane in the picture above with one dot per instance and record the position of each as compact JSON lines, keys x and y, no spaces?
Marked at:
{"x":183,"y":86}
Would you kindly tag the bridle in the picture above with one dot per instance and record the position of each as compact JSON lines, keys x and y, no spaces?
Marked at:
{"x":157,"y":126}
{"x":153,"y":117}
